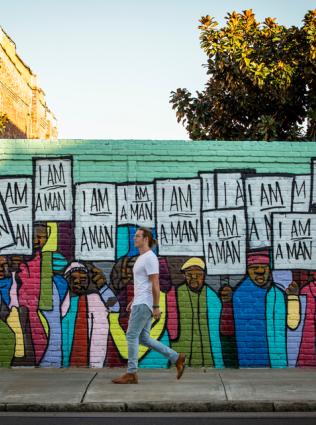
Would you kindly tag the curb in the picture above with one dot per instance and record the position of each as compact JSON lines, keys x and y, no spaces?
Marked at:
{"x":296,"y":406}
{"x":228,"y":406}
{"x":65,"y":407}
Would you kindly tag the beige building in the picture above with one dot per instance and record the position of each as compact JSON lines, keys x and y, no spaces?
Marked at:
{"x":21,"y":99}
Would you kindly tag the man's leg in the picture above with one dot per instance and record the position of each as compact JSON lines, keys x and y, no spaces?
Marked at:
{"x":145,"y":339}
{"x":137,"y":322}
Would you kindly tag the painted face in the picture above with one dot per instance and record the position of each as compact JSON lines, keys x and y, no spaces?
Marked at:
{"x":40,"y":237}
{"x":79,"y":282}
{"x":195,"y":277}
{"x":259,"y":273}
{"x":4,"y":267}
{"x":15,"y":262}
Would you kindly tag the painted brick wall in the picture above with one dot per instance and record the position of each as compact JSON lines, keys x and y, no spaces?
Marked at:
{"x":236,"y":230}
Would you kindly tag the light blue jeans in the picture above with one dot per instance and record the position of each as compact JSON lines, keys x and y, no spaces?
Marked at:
{"x":138,"y":331}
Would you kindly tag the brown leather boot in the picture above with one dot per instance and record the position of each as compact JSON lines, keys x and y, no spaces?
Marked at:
{"x":180,"y":365}
{"x":127,"y":378}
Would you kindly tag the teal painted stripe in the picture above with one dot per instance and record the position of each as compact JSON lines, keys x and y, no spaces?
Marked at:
{"x":144,"y":160}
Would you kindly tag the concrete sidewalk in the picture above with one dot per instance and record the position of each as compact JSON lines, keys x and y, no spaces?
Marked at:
{"x":91,"y":390}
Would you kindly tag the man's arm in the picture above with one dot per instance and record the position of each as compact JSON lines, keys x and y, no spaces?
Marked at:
{"x":129,"y":305}
{"x":154,"y":279}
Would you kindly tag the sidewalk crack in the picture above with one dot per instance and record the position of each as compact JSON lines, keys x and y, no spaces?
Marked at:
{"x":89,"y":383}
{"x":220,"y":377}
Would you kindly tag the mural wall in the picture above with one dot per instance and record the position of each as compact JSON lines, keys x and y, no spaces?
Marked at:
{"x":237,"y":255}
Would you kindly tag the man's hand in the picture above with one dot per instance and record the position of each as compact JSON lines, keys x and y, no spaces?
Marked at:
{"x":156,"y":313}
{"x":129,"y":305}
{"x":154,"y":279}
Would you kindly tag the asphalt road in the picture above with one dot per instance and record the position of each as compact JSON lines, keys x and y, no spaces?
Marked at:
{"x":159,"y":419}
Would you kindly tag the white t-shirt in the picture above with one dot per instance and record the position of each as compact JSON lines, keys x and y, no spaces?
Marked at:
{"x":145,"y":265}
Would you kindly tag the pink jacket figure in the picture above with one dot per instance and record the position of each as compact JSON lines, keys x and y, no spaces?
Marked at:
{"x":307,"y":355}
{"x":29,"y":294}
{"x":85,"y":337}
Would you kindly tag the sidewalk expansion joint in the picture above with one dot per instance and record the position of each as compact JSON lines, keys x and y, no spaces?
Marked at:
{"x":220,"y":377}
{"x":89,"y":383}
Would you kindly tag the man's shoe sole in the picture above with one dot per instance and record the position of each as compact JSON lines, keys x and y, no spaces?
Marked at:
{"x":181,"y":373}
{"x":124,"y":383}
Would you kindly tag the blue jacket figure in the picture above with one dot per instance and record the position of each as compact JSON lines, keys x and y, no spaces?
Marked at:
{"x":260,"y":316}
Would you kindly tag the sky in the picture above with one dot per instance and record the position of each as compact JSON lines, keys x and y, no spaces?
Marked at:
{"x":108,"y":66}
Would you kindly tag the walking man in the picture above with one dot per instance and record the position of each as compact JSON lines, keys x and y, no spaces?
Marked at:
{"x":143,"y":307}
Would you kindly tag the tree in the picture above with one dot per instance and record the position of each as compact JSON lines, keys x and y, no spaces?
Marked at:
{"x":3,"y":120}
{"x":262,"y":81}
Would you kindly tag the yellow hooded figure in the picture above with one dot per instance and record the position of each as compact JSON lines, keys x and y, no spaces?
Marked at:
{"x":199,"y":314}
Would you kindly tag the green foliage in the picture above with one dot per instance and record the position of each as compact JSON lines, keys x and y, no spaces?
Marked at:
{"x":262,"y":81}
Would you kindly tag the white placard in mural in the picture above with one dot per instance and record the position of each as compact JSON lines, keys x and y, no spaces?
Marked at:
{"x":136,"y":204}
{"x":264,"y":195}
{"x":224,"y":234}
{"x":6,"y":231}
{"x":208,"y":191}
{"x":95,"y":221}
{"x":313,"y":182}
{"x":229,"y":190}
{"x":53,"y":189}
{"x":17,"y":196}
{"x":294,"y":241}
{"x":301,"y":193}
{"x":178,"y":216}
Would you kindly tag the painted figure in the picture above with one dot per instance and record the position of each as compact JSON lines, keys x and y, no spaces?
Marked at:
{"x":85,"y":325}
{"x":199,"y":316}
{"x":261,"y":316}
{"x":307,"y":353}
